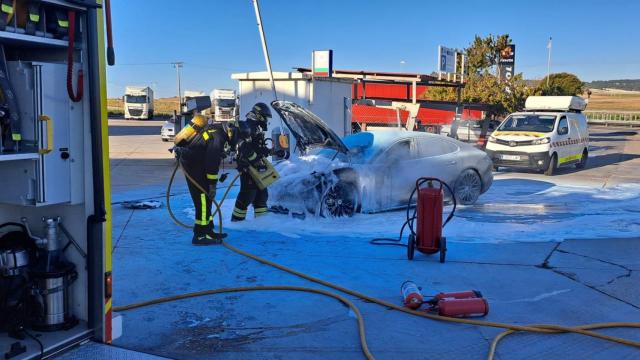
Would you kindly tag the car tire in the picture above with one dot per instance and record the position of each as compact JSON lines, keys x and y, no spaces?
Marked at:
{"x":165,"y":140}
{"x":341,"y":200}
{"x":553,"y":165}
{"x":468,"y":187}
{"x":583,"y":161}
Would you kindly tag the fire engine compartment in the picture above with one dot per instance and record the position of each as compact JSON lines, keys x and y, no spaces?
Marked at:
{"x":49,"y":175}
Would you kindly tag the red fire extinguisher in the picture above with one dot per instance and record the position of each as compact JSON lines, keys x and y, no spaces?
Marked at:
{"x":469,"y":294}
{"x":411,"y":295}
{"x":426,"y":236}
{"x":468,"y":303}
{"x":470,"y":307}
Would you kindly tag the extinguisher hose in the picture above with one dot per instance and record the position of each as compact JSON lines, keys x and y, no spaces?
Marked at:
{"x":411,"y":217}
{"x":70,"y":50}
{"x":510,"y":328}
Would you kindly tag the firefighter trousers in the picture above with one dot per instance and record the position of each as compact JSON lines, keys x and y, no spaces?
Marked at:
{"x":249,"y":195}
{"x":203,"y":220}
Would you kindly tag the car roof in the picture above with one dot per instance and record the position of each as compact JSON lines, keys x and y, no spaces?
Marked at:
{"x":386,"y":138}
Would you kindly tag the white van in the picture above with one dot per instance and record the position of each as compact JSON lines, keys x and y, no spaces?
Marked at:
{"x":551,"y":132}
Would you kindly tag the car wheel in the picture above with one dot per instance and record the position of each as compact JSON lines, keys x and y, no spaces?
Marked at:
{"x":468,"y":187}
{"x":583,"y":161}
{"x":553,"y":165}
{"x":341,"y":200}
{"x":165,"y":140}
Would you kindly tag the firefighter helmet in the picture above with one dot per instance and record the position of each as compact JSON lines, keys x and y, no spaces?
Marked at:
{"x":260,"y":113}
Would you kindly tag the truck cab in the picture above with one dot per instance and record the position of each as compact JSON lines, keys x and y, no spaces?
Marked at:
{"x":552,"y":132}
{"x":225,"y":104}
{"x":138,"y":103}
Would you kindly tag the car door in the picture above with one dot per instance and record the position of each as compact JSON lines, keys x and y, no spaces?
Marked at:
{"x":398,"y":173}
{"x":562,"y":140}
{"x":576,"y":139}
{"x":438,"y":157}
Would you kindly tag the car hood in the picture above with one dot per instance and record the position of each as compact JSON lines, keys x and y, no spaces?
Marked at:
{"x":307,"y":128}
{"x":519,"y":135}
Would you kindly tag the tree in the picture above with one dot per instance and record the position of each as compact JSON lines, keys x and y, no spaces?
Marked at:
{"x":561,"y":84}
{"x":482,"y":53}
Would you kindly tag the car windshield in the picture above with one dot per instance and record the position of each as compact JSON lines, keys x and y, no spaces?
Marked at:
{"x":226,"y":102}
{"x":136,"y":99}
{"x":529,"y":122}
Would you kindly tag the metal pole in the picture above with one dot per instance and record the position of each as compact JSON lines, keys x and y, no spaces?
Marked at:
{"x":265,"y":49}
{"x":549,"y":60}
{"x":178,"y":66}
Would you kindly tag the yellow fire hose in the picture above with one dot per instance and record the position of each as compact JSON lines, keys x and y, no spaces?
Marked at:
{"x":510,"y":329}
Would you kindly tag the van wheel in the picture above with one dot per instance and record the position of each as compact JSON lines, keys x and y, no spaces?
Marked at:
{"x":553,"y":165}
{"x":583,"y":161}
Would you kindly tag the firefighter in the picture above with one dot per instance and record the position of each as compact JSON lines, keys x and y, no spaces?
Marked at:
{"x":251,"y":149}
{"x":200,"y":150}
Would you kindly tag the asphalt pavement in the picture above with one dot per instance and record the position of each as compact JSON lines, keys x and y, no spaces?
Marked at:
{"x":569,"y":281}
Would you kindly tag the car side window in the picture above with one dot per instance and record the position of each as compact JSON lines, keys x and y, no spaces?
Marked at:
{"x":434,"y":146}
{"x":397,"y":152}
{"x":563,"y":126}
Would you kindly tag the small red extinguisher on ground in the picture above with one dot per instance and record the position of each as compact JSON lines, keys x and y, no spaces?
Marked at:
{"x":468,"y":303}
{"x":471,"y":307}
{"x":411,"y":295}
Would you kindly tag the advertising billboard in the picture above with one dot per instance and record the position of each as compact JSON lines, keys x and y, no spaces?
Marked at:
{"x":446,"y":59}
{"x":506,"y":62}
{"x":322,"y":63}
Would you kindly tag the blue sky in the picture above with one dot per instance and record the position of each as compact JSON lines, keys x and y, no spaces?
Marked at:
{"x":597,"y":40}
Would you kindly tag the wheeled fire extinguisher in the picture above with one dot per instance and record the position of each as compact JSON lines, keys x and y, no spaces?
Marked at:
{"x":426,"y":236}
{"x":453,"y":304}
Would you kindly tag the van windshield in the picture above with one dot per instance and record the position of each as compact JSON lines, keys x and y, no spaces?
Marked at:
{"x":525,"y":122}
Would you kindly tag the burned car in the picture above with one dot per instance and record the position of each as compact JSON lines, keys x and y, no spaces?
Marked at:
{"x":369,"y":171}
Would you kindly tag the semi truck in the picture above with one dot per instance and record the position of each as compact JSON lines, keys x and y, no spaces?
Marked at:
{"x":138,"y":103}
{"x":55,"y":210}
{"x":225,"y":105}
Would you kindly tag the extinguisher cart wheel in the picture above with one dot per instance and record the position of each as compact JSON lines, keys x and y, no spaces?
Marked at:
{"x":443,"y":249}
{"x":411,"y":247}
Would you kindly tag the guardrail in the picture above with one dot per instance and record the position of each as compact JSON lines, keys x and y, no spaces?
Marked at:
{"x":613,"y":118}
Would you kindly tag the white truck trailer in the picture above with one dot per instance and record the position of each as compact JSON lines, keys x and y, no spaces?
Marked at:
{"x":225,"y":104}
{"x":138,"y":103}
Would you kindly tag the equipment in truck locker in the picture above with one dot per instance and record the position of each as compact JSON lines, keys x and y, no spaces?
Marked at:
{"x":46,"y":177}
